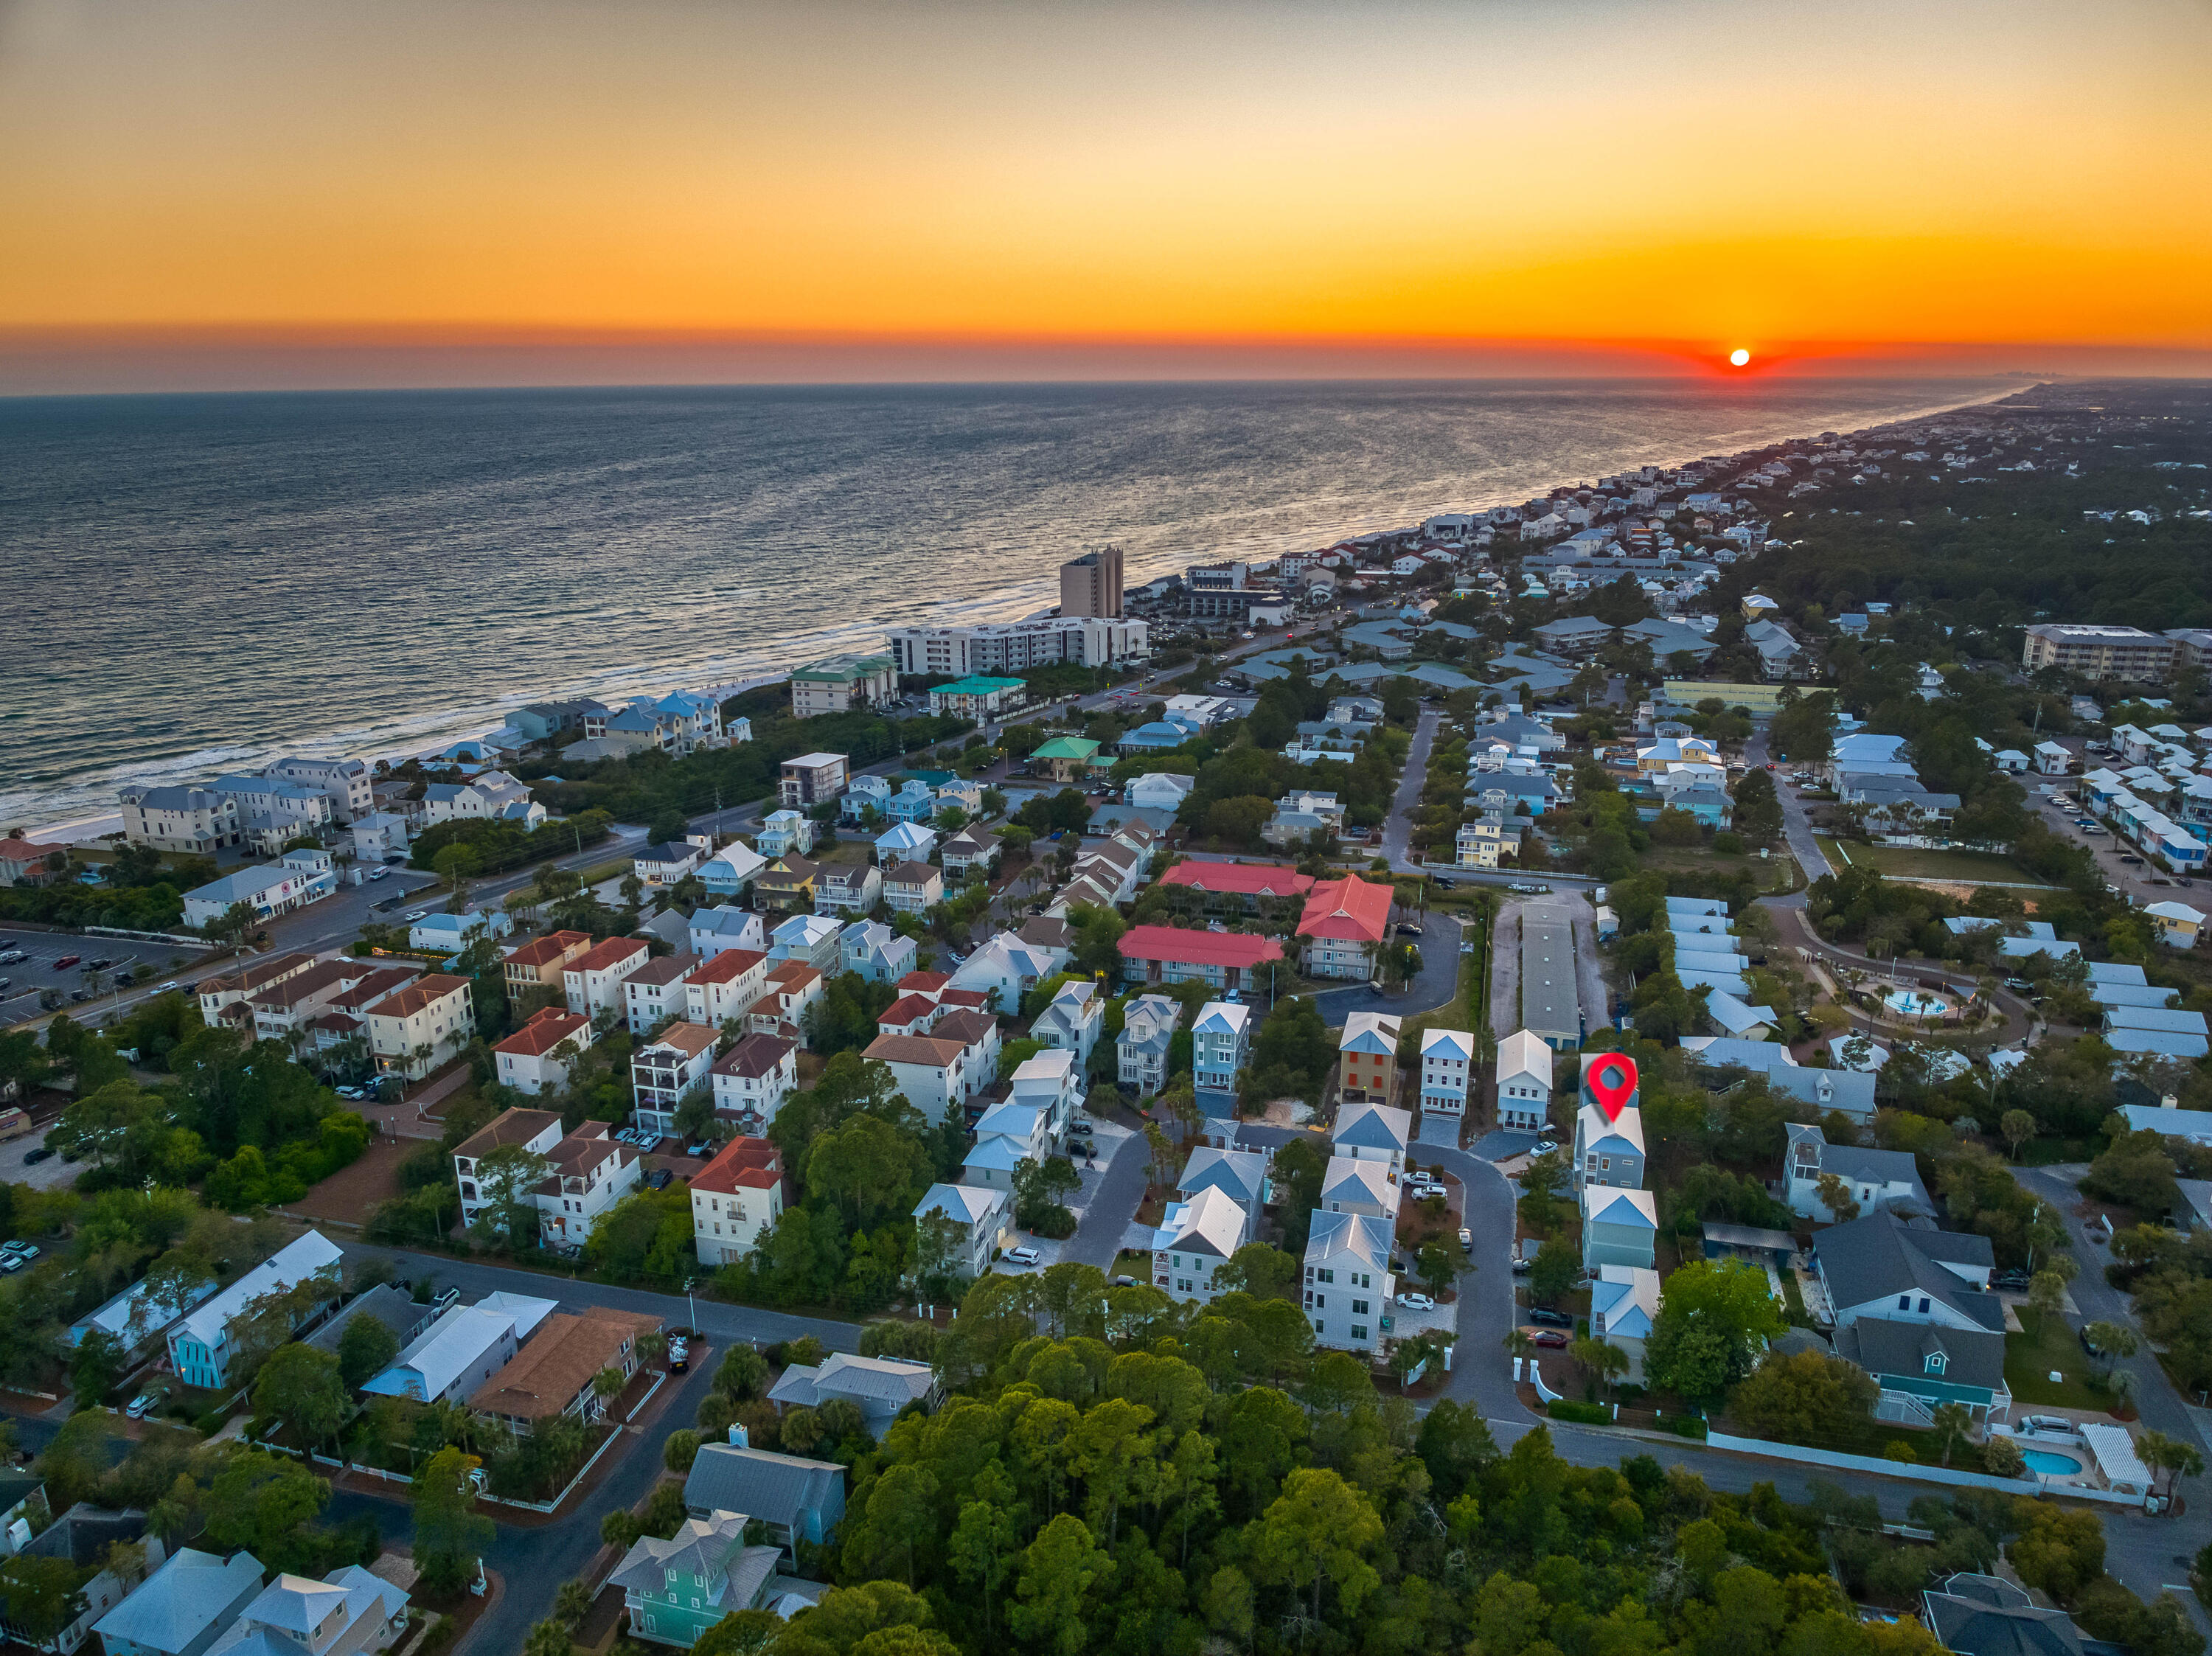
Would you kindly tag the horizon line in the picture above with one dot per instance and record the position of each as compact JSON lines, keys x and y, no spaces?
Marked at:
{"x":144,"y":359}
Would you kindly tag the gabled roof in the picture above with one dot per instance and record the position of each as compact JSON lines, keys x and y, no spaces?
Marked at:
{"x":926,"y":1051}
{"x":1881,"y":1345}
{"x":1524,"y":1053}
{"x":1351,"y":909}
{"x":1361,"y":1234}
{"x":1879,"y":1256}
{"x":1372,"y":1033}
{"x":184,"y":1599}
{"x":1240,"y":879}
{"x":289,"y":1265}
{"x":1630,"y":1209}
{"x":966,"y":1203}
{"x":1627,"y":1298}
{"x":1195,"y":948}
{"x":1210,"y":1222}
{"x":1355,"y":1179}
{"x":774,"y":1488}
{"x":1242,"y":1174}
{"x":1372,"y":1127}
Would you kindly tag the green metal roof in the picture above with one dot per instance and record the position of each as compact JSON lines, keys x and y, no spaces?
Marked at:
{"x":978,"y":686}
{"x":1066,"y":747}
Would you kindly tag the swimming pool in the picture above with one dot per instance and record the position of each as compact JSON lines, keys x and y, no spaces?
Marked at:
{"x":1916,"y":1003}
{"x":2048,"y":1463}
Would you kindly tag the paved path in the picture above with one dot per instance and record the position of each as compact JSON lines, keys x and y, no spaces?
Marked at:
{"x":1797,"y":825}
{"x":1398,"y":827}
{"x":1112,"y":1206}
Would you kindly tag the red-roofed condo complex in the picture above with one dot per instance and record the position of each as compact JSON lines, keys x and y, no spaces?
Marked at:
{"x":1345,"y":926}
{"x":1168,"y":953}
{"x":1238,"y":886}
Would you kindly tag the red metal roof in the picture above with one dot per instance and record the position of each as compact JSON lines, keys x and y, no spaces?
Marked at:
{"x":1351,"y":908}
{"x":1170,"y":942}
{"x":1240,"y":879}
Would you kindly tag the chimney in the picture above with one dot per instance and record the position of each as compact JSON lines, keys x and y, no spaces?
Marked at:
{"x":738,"y":1436}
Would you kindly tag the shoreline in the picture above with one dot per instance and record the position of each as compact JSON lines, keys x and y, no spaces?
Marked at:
{"x":406,"y":733}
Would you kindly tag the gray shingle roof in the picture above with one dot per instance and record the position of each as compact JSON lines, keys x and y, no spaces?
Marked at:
{"x":1880,"y":1255}
{"x":777,"y":1489}
{"x":1972,"y":1356}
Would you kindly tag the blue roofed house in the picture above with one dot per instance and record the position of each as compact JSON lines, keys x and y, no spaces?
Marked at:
{"x":1619,"y":1227}
{"x":295,"y":879}
{"x":349,"y":1612}
{"x":875,"y":951}
{"x":1071,"y":1021}
{"x":798,"y":1499}
{"x":879,"y":1387}
{"x":1140,"y":1051}
{"x":184,"y":1607}
{"x":1624,"y":1306}
{"x":1911,"y":1307}
{"x":914,"y":802}
{"x":676,"y":1589}
{"x":863,"y":793}
{"x":1730,"y":1014}
{"x":448,"y":934}
{"x":784,"y":833}
{"x":905,"y":842}
{"x":731,"y":869}
{"x":201,"y":1344}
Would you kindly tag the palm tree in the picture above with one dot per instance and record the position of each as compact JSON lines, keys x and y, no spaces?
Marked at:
{"x":2176,"y":1459}
{"x":1952,"y":1421}
{"x":1518,"y":1344}
{"x":572,"y":1604}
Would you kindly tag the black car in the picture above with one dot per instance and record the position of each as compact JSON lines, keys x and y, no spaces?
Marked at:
{"x":1551,"y":1319}
{"x":1409,"y":931}
{"x":38,"y":1155}
{"x":658,"y":1179}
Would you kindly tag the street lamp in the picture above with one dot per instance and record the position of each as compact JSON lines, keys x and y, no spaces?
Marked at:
{"x":691,"y":1282}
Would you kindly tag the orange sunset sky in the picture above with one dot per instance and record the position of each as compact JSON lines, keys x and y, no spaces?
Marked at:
{"x":235,"y":191}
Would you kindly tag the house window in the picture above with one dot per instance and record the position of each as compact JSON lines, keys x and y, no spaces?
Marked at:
{"x":1905,"y":1303}
{"x":1359,"y":1307}
{"x":1358,"y":1331}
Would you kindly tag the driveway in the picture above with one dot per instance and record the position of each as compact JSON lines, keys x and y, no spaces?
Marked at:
{"x":1110,"y":1198}
{"x":1397,"y":828}
{"x":1434,"y":986}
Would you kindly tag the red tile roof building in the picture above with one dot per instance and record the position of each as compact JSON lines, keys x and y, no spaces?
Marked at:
{"x":1243,"y":883}
{"x":735,"y":1197}
{"x":1344,"y":924}
{"x":1168,"y":953}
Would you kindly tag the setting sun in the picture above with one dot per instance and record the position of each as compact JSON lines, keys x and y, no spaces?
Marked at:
{"x":1740,"y":357}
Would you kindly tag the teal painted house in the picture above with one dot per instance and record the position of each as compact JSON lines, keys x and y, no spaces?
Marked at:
{"x":678,"y":1588}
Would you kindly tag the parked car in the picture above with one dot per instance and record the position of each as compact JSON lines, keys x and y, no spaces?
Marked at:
{"x":1551,"y":1319}
{"x":67,"y":962}
{"x":12,"y":955}
{"x":1466,"y":1237}
{"x":379,"y":874}
{"x":1546,"y":1146}
{"x":680,"y":1357}
{"x":1545,"y":1337}
{"x":137,"y":1407}
{"x":1417,"y":1302}
{"x":658,"y":1179}
{"x":36,"y":1156}
{"x":1023,"y":1256}
{"x":97,"y":963}
{"x":1528,"y":889}
{"x":1445,"y":884}
{"x":1407,"y":928}
{"x":1083,"y":1147}
{"x":12,"y":1263}
{"x":699,"y":1149}
{"x":1082,"y":1124}
{"x":1521,"y":1266}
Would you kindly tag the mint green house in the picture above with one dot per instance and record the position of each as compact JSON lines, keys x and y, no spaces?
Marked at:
{"x":678,"y":1588}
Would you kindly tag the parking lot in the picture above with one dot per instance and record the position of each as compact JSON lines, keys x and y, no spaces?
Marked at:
{"x":41,"y":968}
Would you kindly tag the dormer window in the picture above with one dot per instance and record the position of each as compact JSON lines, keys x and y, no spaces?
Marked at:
{"x":1935,"y":1362}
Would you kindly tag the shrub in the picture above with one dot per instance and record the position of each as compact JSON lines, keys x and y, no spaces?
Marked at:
{"x":1688,"y":1426}
{"x":1585,"y":1414}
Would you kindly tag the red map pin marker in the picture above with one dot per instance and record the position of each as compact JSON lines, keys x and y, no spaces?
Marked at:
{"x":1611,"y":1078}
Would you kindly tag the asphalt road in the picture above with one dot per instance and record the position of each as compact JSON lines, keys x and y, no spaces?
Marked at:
{"x":2132,"y":881}
{"x":1797,"y":825}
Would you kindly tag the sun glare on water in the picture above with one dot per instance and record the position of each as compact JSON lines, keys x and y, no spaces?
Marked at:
{"x":1739,"y":357}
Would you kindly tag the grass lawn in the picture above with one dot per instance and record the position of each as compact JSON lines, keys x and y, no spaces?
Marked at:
{"x":1912,"y":863}
{"x":2044,"y":1344}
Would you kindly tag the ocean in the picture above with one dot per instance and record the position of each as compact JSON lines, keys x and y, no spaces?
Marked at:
{"x":199,"y":583}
